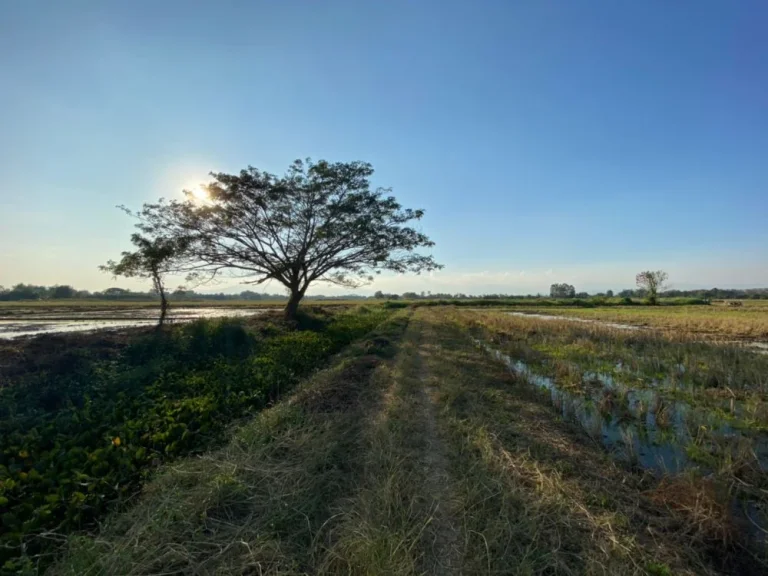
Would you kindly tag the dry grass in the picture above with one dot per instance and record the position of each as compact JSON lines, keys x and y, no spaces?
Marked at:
{"x":398,"y":519}
{"x":709,"y":370}
{"x":749,"y":322}
{"x":702,"y":503}
{"x":554,"y":497}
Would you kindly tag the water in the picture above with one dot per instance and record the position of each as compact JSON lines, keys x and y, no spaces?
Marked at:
{"x":636,"y":423}
{"x":538,"y":316}
{"x":92,"y":320}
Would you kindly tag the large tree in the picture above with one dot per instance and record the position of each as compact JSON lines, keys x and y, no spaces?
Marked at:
{"x":652,"y":283}
{"x":320,"y":222}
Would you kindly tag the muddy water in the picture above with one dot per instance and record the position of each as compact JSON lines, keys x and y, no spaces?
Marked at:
{"x":92,"y":320}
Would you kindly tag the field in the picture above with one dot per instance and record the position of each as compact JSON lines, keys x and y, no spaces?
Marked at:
{"x":433,"y":440}
{"x":718,"y":321}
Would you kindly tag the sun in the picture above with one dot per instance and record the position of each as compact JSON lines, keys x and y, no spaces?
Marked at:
{"x":198,"y":194}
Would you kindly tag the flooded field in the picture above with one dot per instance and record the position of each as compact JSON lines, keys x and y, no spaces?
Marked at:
{"x":666,"y":404}
{"x":638,"y":426}
{"x":57,"y":322}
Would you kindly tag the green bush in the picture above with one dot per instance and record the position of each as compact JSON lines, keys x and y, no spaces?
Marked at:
{"x":392,"y":305}
{"x":80,"y":440}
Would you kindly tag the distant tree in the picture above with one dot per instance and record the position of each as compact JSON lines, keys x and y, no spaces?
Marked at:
{"x":410,"y":295}
{"x":609,"y":293}
{"x":153,"y":259}
{"x":652,"y":282}
{"x":250,"y":295}
{"x":378,"y":294}
{"x":581,"y":295}
{"x":62,"y":292}
{"x":320,"y":222}
{"x":115,"y":292}
{"x":25,"y":292}
{"x":562,"y":291}
{"x":181,"y":293}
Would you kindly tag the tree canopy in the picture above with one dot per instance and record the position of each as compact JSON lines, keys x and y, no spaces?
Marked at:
{"x":562,"y":291}
{"x":652,"y":283}
{"x":320,"y":222}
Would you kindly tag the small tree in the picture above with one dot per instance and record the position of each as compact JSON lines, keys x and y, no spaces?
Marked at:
{"x":652,"y":283}
{"x":152,"y":259}
{"x":609,"y":293}
{"x":318,"y":223}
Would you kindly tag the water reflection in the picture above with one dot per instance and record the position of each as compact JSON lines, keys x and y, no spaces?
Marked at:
{"x":92,"y":320}
{"x":636,"y":423}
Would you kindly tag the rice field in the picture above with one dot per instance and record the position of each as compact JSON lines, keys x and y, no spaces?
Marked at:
{"x":457,"y":441}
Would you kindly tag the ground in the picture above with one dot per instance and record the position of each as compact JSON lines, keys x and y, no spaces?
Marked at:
{"x":416,"y":452}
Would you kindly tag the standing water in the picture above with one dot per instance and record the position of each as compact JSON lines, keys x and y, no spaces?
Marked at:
{"x":92,"y":320}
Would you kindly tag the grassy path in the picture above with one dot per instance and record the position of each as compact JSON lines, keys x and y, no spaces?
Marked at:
{"x":414,"y":454}
{"x":401,"y":520}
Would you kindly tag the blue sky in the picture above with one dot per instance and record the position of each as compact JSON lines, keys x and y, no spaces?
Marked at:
{"x":547,"y":141}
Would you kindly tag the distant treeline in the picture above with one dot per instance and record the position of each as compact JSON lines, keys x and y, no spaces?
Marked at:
{"x":60,"y":292}
{"x":710,"y":294}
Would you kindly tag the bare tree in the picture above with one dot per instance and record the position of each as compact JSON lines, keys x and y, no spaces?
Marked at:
{"x":652,"y":283}
{"x":320,"y":222}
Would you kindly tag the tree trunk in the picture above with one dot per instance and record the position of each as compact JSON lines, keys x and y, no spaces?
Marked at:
{"x":293,"y":305}
{"x":163,"y":309}
{"x":158,"y":281}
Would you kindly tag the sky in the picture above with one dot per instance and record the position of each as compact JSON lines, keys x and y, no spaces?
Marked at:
{"x":548,"y":141}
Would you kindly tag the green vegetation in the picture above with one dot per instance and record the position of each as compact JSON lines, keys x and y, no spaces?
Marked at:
{"x":81,"y":437}
{"x":218,"y":447}
{"x":269,"y":499}
{"x":415,"y":454}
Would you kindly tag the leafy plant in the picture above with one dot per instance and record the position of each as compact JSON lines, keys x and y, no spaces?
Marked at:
{"x":81,"y":440}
